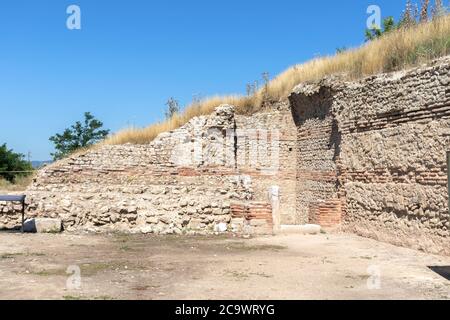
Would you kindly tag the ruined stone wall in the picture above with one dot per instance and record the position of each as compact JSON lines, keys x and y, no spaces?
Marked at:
{"x":367,"y":155}
{"x":395,"y":132}
{"x":267,"y":153}
{"x":10,"y":215}
{"x":215,"y":170}
{"x":318,"y":148}
{"x":388,"y":136}
{"x":185,"y":181}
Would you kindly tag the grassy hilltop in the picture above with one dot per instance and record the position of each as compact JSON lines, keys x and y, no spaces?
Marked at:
{"x":399,"y":49}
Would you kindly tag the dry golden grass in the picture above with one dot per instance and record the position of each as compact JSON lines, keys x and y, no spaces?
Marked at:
{"x":145,"y":135}
{"x":397,"y":50}
{"x":20,"y":184}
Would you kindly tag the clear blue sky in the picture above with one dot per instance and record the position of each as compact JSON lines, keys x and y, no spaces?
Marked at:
{"x":130,"y":56}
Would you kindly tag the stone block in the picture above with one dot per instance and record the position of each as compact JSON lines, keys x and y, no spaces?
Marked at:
{"x":43,"y":225}
{"x":221,"y":227}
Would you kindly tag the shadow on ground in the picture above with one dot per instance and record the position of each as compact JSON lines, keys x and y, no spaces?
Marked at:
{"x":443,"y":271}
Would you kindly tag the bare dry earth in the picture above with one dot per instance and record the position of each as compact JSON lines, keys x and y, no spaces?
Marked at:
{"x":148,"y":267}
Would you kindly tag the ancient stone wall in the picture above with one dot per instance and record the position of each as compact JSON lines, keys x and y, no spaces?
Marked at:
{"x":184,"y":181}
{"x":267,"y":152}
{"x":368,"y":155}
{"x":10,"y":215}
{"x":318,"y":148}
{"x":394,"y":174}
{"x":388,"y":136}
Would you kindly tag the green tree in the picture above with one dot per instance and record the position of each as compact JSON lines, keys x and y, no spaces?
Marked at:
{"x":376,"y":32}
{"x":173,"y":107}
{"x":13,"y":164}
{"x":79,"y":135}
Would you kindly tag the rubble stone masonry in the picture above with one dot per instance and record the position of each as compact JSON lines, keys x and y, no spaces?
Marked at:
{"x":185,"y":181}
{"x":367,"y":156}
{"x":375,"y":155}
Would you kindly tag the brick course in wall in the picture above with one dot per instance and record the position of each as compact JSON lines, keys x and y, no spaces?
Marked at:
{"x":327,"y":214}
{"x":257,"y":216}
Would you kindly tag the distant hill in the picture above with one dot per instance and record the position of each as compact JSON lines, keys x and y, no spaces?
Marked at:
{"x":39,"y":164}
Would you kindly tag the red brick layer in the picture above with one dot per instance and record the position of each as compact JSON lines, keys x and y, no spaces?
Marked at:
{"x":254,"y":211}
{"x":327,"y":213}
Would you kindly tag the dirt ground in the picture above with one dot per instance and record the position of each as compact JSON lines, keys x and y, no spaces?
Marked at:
{"x":148,"y":267}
